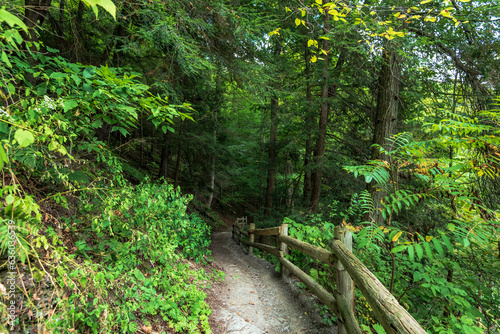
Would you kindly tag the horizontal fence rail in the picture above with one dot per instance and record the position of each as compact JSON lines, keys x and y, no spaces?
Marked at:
{"x":350,"y":272}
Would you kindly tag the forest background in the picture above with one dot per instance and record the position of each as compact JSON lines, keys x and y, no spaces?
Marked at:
{"x":378,"y":114}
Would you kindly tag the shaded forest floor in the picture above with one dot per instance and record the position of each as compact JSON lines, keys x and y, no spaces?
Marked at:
{"x":253,"y":299}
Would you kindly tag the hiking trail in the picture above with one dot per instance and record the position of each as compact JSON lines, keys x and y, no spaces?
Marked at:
{"x":252,"y":299}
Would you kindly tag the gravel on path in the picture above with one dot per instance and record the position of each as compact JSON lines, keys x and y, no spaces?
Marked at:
{"x":253,"y":299}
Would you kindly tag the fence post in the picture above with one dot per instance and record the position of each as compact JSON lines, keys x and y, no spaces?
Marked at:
{"x":345,"y":284}
{"x":284,"y":250}
{"x":251,"y":238}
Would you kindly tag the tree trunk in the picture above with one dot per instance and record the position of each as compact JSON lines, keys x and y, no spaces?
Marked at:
{"x":178,"y":159}
{"x":289,"y":175}
{"x":271,"y":170}
{"x":386,"y":115}
{"x":35,"y":13}
{"x":319,"y":150}
{"x":212,"y":164}
{"x":165,"y":153}
{"x":309,"y":124}
{"x":273,"y":138}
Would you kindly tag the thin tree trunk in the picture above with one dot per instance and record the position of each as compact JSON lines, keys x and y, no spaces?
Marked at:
{"x":212,"y":164}
{"x":319,"y":150}
{"x":289,"y":173}
{"x":35,"y":13}
{"x":165,"y":153}
{"x":309,"y":122}
{"x":273,"y":138}
{"x":271,"y":170}
{"x":178,"y":159}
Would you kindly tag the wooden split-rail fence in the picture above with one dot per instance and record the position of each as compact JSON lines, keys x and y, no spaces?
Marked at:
{"x":350,"y":272}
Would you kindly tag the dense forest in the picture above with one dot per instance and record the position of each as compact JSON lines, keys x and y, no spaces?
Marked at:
{"x":128,"y":127}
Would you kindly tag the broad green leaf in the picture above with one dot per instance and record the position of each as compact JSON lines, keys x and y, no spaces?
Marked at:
{"x":11,"y":19}
{"x":9,"y":199}
{"x":420,"y":251}
{"x":12,"y":89}
{"x":3,"y":157}
{"x":399,"y":248}
{"x":70,"y":104}
{"x":58,"y":75}
{"x":447,"y":243}
{"x":438,"y":246}
{"x":108,"y":6}
{"x":428,"y":250}
{"x":466,"y":242}
{"x":6,"y":60}
{"x":411,"y":254}
{"x":24,"y":138}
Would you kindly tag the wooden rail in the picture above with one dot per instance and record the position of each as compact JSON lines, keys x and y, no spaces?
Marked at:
{"x":349,"y":272}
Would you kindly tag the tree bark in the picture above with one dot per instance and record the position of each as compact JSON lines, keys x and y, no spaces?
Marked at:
{"x":273,"y":138}
{"x":178,"y":159}
{"x":165,"y":153}
{"x":386,"y":116}
{"x":35,"y":13}
{"x":319,"y":150}
{"x":271,"y":170}
{"x":309,"y":124}
{"x":212,"y":164}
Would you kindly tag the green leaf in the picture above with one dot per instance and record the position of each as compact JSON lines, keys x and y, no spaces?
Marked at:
{"x":419,"y":250}
{"x":70,"y":104}
{"x":411,"y":254}
{"x":88,"y":72}
{"x":447,"y":243}
{"x":108,"y":6}
{"x":9,"y":199}
{"x":6,"y":60}
{"x":83,"y":281}
{"x":437,"y":244}
{"x":52,"y":145}
{"x":399,"y":248}
{"x":12,"y":89}
{"x":58,"y":75}
{"x":11,"y":19}
{"x":466,"y":242}
{"x":24,"y":138}
{"x":428,"y":250}
{"x":3,"y":157}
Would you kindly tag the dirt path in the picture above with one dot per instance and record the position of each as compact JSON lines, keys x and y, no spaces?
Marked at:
{"x":252,"y":300}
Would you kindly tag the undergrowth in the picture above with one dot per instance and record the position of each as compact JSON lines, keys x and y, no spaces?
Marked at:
{"x":83,"y":250}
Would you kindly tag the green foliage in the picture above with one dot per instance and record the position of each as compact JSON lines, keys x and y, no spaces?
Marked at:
{"x":141,"y":240}
{"x":318,"y":233}
{"x":136,"y":252}
{"x":427,"y":265}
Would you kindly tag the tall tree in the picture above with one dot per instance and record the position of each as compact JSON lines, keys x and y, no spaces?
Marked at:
{"x":386,"y":113}
{"x":273,"y":140}
{"x":319,"y":149}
